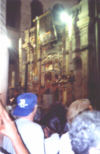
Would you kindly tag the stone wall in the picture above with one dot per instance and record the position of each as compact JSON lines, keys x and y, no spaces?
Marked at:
{"x":25,"y":16}
{"x":78,"y":52}
{"x":47,"y":4}
{"x":50,"y":3}
{"x":83,"y":51}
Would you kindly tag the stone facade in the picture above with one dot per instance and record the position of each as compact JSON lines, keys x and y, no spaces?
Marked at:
{"x":25,"y":22}
{"x":73,"y":57}
{"x":84,"y":51}
{"x":79,"y":57}
{"x":23,"y":19}
{"x":48,"y":4}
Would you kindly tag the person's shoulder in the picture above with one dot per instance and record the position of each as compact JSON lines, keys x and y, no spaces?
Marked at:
{"x":65,"y":144}
{"x":53,"y":138}
{"x":29,"y":129}
{"x":65,"y":136}
{"x":1,"y":152}
{"x":27,"y":124}
{"x":52,"y":144}
{"x":55,"y":135}
{"x":37,"y":127}
{"x":25,"y":121}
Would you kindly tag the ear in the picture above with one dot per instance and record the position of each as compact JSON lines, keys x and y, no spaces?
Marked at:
{"x":35,"y":108}
{"x":90,"y":108}
{"x":93,"y":150}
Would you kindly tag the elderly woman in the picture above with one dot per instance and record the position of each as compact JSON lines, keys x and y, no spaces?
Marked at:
{"x":85,"y":133}
{"x":74,"y":109}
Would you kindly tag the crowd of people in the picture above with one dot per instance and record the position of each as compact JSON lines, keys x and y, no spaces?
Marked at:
{"x":72,"y":130}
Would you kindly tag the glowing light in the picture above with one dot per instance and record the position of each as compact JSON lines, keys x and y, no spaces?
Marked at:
{"x":34,"y":45}
{"x":4,"y":42}
{"x":65,"y":18}
{"x":8,"y":42}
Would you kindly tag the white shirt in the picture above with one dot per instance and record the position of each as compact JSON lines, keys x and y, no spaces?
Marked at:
{"x":32,"y":136}
{"x":65,"y":144}
{"x":1,"y":140}
{"x":52,"y":144}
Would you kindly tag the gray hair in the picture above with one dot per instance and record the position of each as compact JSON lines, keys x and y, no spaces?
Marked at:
{"x":85,"y":132}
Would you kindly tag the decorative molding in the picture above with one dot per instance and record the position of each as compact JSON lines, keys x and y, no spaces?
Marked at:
{"x":83,"y":48}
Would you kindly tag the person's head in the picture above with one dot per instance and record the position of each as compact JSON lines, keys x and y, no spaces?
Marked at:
{"x":38,"y":115}
{"x":48,"y":84}
{"x":85,"y":133}
{"x":16,"y":92}
{"x":51,"y":124}
{"x":56,"y":116}
{"x":60,"y":111}
{"x":26,"y":105}
{"x":77,"y":107}
{"x":55,"y":85}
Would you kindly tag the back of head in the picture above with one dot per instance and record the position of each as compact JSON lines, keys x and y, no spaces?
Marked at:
{"x":26,"y":102}
{"x":52,"y":122}
{"x":85,"y":132}
{"x":60,"y":111}
{"x":16,"y":91}
{"x":77,"y":107}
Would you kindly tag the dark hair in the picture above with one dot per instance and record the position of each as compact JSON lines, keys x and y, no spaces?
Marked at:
{"x":53,"y":123}
{"x":85,"y":132}
{"x":56,"y":116}
{"x":60,"y":111}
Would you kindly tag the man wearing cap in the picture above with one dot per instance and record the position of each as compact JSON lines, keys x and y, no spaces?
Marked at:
{"x":31,"y":133}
